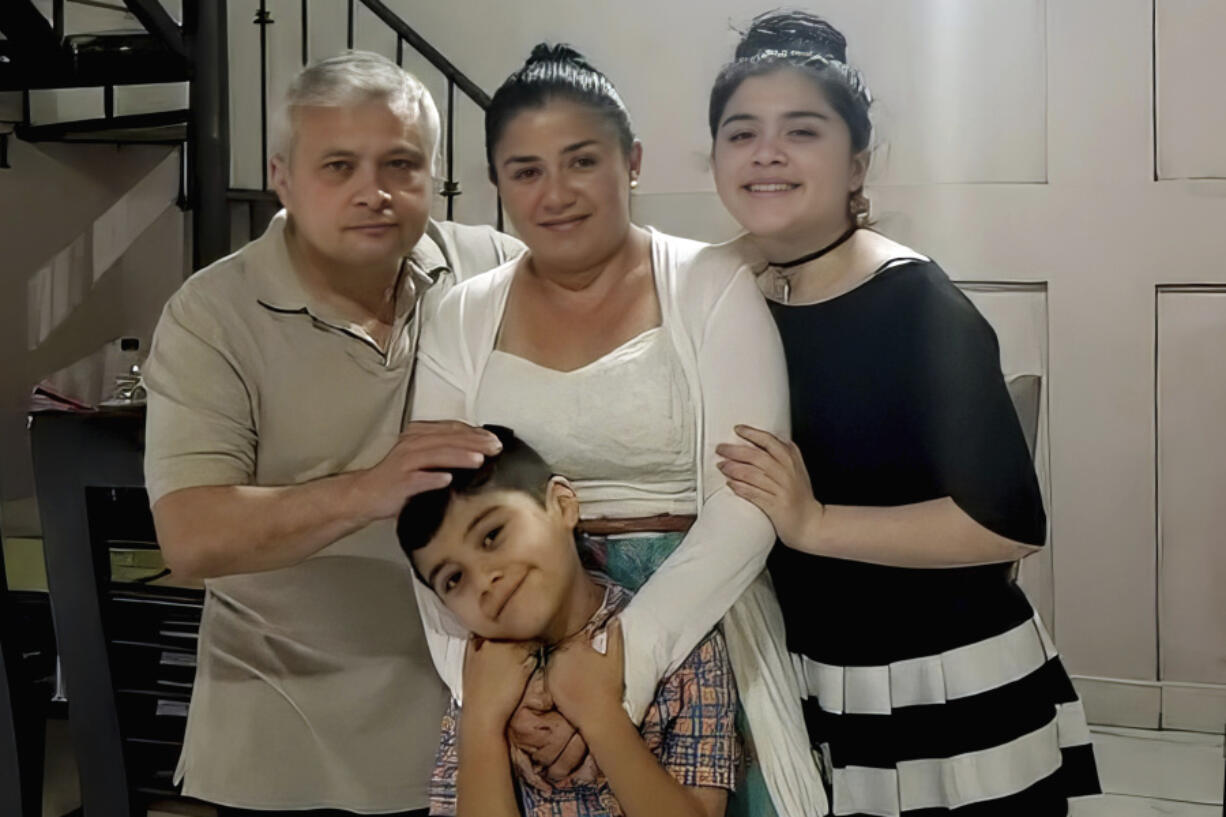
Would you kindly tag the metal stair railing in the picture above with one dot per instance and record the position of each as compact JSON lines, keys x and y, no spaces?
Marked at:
{"x":37,"y":56}
{"x":405,"y":35}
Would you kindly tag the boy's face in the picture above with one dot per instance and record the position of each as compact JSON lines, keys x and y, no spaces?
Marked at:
{"x":506,"y":566}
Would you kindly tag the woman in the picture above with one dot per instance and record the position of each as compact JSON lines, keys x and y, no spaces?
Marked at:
{"x":624,"y":356}
{"x":908,"y":491}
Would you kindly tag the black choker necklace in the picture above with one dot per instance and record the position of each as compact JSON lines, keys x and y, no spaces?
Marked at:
{"x":813,"y":256}
{"x":782,"y":281}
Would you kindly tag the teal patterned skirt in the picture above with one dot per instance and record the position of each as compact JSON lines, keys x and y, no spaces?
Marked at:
{"x":630,"y":559}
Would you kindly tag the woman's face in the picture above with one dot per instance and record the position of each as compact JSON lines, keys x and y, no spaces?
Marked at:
{"x":565,"y":184}
{"x":783,"y":161}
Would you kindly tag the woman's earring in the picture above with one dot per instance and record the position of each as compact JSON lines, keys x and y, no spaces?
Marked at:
{"x":860,"y":207}
{"x":633,"y":182}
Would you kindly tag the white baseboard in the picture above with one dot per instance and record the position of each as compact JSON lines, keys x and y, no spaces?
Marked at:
{"x":1153,"y":704}
{"x":1194,"y":707}
{"x":1115,"y":702}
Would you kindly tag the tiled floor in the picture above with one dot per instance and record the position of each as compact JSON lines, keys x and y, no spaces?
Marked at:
{"x":1147,"y":773}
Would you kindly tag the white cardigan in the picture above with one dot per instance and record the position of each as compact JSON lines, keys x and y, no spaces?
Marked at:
{"x":733,"y":361}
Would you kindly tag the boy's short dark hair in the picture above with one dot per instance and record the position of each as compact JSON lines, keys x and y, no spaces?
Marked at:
{"x":516,"y":468}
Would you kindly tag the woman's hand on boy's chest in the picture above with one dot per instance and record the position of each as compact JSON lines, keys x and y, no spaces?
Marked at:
{"x":546,"y":748}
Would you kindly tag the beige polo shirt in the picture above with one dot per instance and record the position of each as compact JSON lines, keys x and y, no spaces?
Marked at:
{"x":314,"y":686}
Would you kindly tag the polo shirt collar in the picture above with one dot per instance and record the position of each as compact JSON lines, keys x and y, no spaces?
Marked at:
{"x":280,"y":289}
{"x":429,"y":255}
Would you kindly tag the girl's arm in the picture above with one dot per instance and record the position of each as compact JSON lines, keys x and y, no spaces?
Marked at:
{"x":770,"y":473}
{"x":971,"y":448}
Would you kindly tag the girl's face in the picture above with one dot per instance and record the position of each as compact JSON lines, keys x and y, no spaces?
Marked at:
{"x":565,"y":183}
{"x":783,"y":162}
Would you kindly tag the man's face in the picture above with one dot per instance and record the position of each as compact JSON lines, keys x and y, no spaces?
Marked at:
{"x":357,"y":184}
{"x":506,"y":566}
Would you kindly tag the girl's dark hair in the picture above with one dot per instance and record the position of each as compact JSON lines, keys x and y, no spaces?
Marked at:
{"x":804,"y":41}
{"x":554,"y":71}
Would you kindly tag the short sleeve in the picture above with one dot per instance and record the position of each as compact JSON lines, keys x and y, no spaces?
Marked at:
{"x":695,"y":711}
{"x":475,"y":249}
{"x":968,"y":428}
{"x":200,"y":427}
{"x":509,"y":247}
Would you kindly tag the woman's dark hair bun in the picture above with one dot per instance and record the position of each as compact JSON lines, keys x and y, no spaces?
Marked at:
{"x":554,"y":71}
{"x":783,"y":30}
{"x":561,"y":52}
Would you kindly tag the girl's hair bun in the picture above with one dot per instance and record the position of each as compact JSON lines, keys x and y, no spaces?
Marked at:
{"x":794,"y":33}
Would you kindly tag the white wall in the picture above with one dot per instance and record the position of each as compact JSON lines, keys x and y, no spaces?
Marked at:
{"x":985,"y":71}
{"x":91,"y":252}
{"x":982,"y":70}
{"x":1017,"y":146}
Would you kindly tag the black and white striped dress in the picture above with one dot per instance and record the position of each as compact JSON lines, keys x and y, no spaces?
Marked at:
{"x":934,"y":691}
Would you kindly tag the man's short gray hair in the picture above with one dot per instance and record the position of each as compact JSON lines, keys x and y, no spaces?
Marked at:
{"x":352,"y":78}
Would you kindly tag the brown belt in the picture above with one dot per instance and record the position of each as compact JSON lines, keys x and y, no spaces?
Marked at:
{"x":661,"y":523}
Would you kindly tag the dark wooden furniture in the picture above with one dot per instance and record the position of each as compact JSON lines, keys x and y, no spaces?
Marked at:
{"x":16,"y":766}
{"x":27,"y":682}
{"x":127,"y":649}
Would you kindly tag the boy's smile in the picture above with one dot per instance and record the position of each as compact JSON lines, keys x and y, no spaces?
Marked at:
{"x":507,"y":567}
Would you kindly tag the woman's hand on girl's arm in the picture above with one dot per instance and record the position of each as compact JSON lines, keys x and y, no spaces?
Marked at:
{"x":933,"y":534}
{"x":771,"y":474}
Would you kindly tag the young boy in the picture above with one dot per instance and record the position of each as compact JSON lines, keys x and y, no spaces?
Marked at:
{"x":498,"y":547}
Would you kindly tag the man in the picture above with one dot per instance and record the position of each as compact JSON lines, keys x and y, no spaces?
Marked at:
{"x":277,"y":457}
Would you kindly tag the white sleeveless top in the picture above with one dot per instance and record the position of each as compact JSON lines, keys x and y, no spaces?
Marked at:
{"x":621,"y":428}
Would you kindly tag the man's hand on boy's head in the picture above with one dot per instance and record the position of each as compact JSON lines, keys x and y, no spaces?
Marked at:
{"x":587,"y":686}
{"x":495,"y":676}
{"x":414,"y":462}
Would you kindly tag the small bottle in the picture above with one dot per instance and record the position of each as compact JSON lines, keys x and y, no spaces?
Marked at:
{"x":129,"y":383}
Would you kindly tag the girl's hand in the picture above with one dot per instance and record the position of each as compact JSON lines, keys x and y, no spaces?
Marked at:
{"x":495,"y":676}
{"x":771,"y":474}
{"x":587,"y":686}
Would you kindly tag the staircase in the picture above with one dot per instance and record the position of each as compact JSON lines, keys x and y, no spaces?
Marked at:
{"x":167,"y":82}
{"x":161,"y":82}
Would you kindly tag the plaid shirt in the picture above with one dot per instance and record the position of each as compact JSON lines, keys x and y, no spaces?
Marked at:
{"x":690,"y":727}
